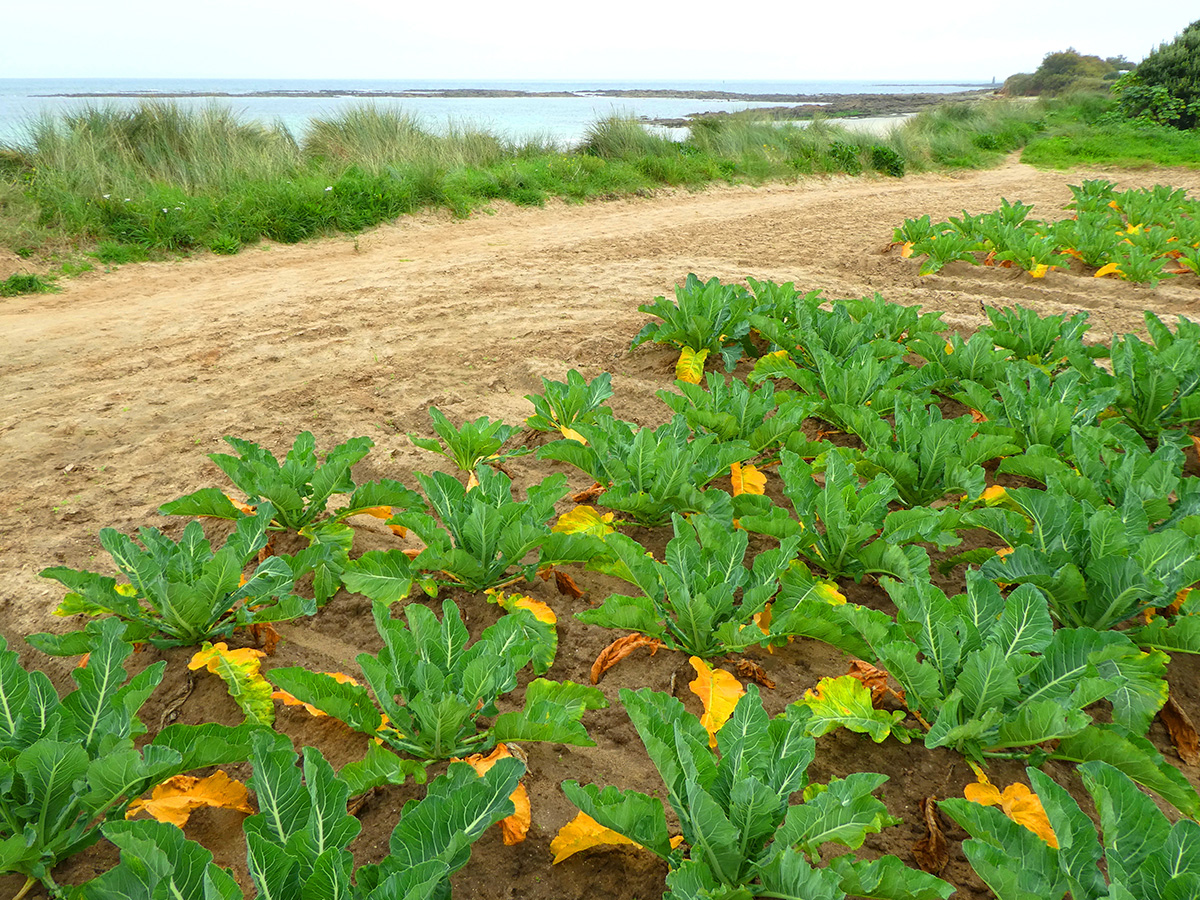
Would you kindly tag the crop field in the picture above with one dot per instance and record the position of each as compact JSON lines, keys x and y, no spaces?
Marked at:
{"x":881,"y":527}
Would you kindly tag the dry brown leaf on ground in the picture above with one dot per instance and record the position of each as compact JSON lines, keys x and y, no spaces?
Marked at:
{"x":513,"y":828}
{"x":931,"y":852}
{"x":266,"y":636}
{"x":876,"y":679}
{"x":719,"y":691}
{"x":752,"y":671}
{"x":174,"y":799}
{"x":1182,"y":731}
{"x":619,"y":649}
{"x":589,"y":495}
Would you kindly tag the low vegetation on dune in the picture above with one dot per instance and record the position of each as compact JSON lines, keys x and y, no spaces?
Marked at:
{"x":112,"y":186}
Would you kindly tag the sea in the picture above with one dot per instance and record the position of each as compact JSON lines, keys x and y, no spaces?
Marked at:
{"x":563,"y":120}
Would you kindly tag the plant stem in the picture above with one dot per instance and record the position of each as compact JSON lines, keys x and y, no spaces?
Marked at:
{"x":25,"y":888}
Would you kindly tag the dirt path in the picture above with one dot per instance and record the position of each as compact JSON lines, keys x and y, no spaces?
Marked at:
{"x":113,"y":392}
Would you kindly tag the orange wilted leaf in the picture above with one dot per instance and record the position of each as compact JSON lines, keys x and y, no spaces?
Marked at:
{"x":1018,"y":803}
{"x":240,"y":506}
{"x":875,"y":679}
{"x":514,"y":827}
{"x":572,"y":435}
{"x":289,"y":700}
{"x":931,"y":852}
{"x":690,"y":366}
{"x":994,"y":495}
{"x":589,"y":495}
{"x":1040,"y":270}
{"x":174,"y":799}
{"x":583,"y":832}
{"x":379,"y":512}
{"x":746,"y":479}
{"x":718,"y":691}
{"x":540,"y":610}
{"x":618,"y":650}
{"x":906,"y":250}
{"x":239,"y":670}
{"x":1111,"y":269}
{"x":1182,"y":731}
{"x":752,"y":671}
{"x":977,"y":416}
{"x":584,"y":520}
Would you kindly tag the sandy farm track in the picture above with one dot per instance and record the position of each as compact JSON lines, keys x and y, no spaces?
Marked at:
{"x":113,"y":392}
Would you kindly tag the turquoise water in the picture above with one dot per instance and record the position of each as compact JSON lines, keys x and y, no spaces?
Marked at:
{"x":563,"y":119}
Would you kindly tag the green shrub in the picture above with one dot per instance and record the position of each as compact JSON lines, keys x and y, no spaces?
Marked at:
{"x":1165,"y":87}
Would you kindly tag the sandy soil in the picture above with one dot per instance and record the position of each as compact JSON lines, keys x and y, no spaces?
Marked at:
{"x":113,"y":392}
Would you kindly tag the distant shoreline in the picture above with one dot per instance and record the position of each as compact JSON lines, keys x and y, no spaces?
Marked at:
{"x":791,"y":106}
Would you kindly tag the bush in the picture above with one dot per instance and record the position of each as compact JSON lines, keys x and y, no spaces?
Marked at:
{"x":1061,"y":72}
{"x":1165,"y":87}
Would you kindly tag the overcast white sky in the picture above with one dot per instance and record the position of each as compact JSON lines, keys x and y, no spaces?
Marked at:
{"x":786,"y":40}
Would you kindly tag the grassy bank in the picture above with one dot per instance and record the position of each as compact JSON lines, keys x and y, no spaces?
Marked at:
{"x":121,"y":185}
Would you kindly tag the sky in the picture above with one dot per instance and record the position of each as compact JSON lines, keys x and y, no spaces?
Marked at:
{"x":616,"y":40}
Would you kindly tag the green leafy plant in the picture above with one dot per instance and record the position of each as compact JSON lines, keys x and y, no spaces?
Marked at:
{"x":855,"y":380}
{"x":1038,"y":408}
{"x":840,"y":523}
{"x":703,"y":600}
{"x":1090,"y":237}
{"x":69,"y":764}
{"x":987,"y":675}
{"x":951,"y":361}
{"x":651,"y":473}
{"x":1099,"y":565}
{"x":434,"y":689}
{"x":744,"y":837}
{"x":1159,"y":381}
{"x":735,"y":411}
{"x":471,"y":445}
{"x":1031,"y":251}
{"x":942,"y":249}
{"x":1042,"y":340}
{"x":1142,"y":853}
{"x":483,"y":538}
{"x":296,"y":845}
{"x":299,"y":490}
{"x":925,"y":455}
{"x":560,"y":407}
{"x":707,"y":317}
{"x":180,"y":594}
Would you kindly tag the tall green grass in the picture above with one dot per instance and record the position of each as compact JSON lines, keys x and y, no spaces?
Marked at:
{"x":127,"y":183}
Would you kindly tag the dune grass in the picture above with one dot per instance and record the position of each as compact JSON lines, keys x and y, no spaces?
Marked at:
{"x":1087,"y":129}
{"x":126,"y":184}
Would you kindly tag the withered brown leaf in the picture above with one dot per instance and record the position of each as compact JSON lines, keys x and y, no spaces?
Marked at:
{"x":265,"y":636}
{"x":876,"y":679}
{"x":1182,"y":731}
{"x":566,"y":585}
{"x":589,"y":495}
{"x":749,"y":669}
{"x":618,"y":650}
{"x":931,"y":852}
